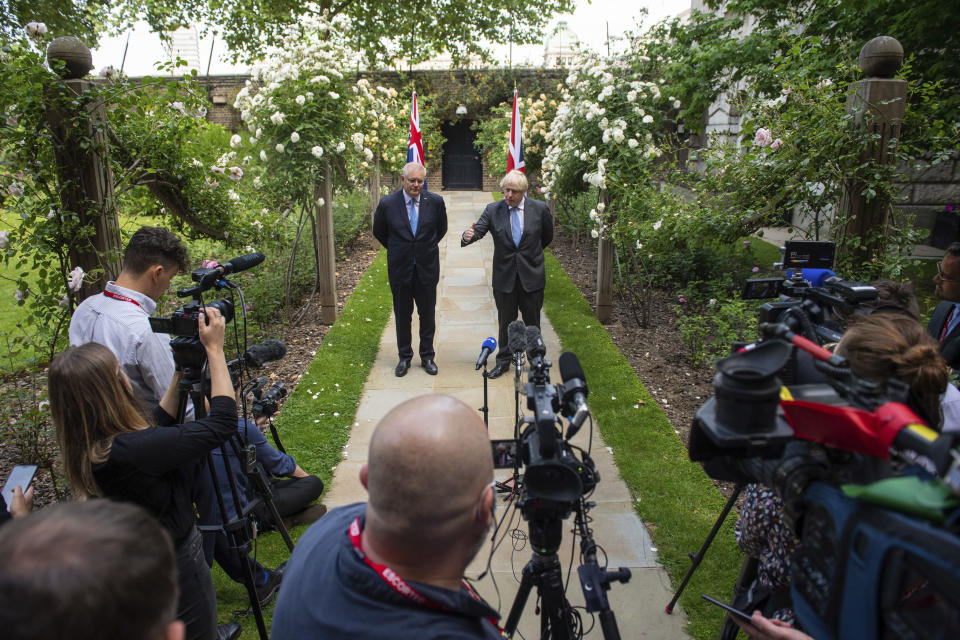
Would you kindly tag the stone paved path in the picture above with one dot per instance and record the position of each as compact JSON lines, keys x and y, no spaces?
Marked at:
{"x":465,"y":316}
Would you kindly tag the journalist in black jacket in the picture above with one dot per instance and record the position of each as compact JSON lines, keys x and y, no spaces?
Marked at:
{"x":110,"y":450}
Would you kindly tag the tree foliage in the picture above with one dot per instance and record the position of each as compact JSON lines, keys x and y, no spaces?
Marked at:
{"x":383,"y":30}
{"x":731,"y":47}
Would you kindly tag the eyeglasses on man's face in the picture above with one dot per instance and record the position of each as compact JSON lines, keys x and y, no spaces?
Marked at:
{"x":944,"y":277}
{"x":414,"y":180}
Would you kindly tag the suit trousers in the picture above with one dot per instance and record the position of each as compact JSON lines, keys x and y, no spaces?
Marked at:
{"x":404,"y":295}
{"x":526,"y":303}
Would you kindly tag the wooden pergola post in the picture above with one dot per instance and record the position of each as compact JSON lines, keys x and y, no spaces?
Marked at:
{"x":80,"y":144}
{"x":327,"y":286}
{"x":605,"y":249}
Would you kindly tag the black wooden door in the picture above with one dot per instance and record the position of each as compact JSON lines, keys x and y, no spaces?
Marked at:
{"x":462,"y":168}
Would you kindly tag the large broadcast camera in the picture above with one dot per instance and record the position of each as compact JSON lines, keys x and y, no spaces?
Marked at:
{"x":814,"y":301}
{"x":555,"y":483}
{"x":879,"y":559}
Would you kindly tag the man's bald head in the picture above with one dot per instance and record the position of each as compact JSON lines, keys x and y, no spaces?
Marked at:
{"x":429,"y":463}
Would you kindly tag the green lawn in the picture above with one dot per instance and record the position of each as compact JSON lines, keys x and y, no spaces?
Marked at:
{"x":316,"y":420}
{"x":672,"y":495}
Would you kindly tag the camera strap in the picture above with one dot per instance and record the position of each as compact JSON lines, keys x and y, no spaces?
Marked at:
{"x":400,"y":585}
{"x":120,"y":296}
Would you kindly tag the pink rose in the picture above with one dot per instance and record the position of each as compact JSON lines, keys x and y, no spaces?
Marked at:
{"x":763,"y":137}
{"x":776,"y":144}
{"x":209,"y":264}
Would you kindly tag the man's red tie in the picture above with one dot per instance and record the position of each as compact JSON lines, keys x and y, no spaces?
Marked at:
{"x":946,"y":325}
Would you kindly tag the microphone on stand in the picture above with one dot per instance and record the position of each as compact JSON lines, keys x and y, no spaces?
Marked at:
{"x":516,"y":341}
{"x":486,"y":349}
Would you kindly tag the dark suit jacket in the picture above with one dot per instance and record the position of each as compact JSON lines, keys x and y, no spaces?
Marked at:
{"x":509,"y":260}
{"x":949,"y":348}
{"x":391,"y":226}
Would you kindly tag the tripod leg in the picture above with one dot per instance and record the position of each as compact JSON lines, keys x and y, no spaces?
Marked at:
{"x":250,"y":583}
{"x":556,"y":610}
{"x":698,"y":556}
{"x":526,"y":583}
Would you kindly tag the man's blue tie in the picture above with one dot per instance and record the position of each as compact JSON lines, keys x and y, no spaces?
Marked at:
{"x":413,"y":217}
{"x":515,"y":223}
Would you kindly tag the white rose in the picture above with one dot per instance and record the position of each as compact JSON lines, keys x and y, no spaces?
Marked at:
{"x":263,"y":155}
{"x":294,"y":137}
{"x":75,"y":279}
{"x":633,"y":144}
{"x":4,"y":239}
{"x":647,"y":119}
{"x":300,"y":100}
{"x":257,"y":133}
{"x":334,"y":95}
{"x":19,"y":295}
{"x":279,"y":148}
{"x":276,"y":118}
{"x":341,"y":146}
{"x":594,"y":233}
{"x":317,"y":151}
{"x":236,"y":173}
{"x":235,"y":141}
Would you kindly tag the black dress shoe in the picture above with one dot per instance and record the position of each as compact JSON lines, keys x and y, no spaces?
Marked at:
{"x":229,"y":631}
{"x":402,"y":368}
{"x":429,"y":366}
{"x":499,"y":370}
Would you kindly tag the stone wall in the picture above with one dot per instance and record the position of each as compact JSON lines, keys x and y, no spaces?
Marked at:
{"x":928,"y":189}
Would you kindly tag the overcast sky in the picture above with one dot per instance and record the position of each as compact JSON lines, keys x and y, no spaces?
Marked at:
{"x":589,"y":22}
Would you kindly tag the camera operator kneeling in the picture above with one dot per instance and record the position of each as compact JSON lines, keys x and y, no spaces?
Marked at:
{"x":109,"y":449}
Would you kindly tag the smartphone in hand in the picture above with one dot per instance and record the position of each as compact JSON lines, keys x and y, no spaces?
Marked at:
{"x":733,"y":611}
{"x":21,"y":476}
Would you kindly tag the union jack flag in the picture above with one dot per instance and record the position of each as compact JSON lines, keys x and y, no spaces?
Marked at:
{"x":515,"y":155}
{"x":415,"y":142}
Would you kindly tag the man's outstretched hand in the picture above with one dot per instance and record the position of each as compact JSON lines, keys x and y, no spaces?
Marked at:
{"x":469,"y":233}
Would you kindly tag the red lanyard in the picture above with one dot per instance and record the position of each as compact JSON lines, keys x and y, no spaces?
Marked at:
{"x":400,"y":585}
{"x":120,"y":296}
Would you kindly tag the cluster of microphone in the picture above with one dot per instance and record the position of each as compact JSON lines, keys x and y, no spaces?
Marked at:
{"x":527,"y":340}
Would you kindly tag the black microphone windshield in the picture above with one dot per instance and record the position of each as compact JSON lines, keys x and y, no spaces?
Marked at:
{"x":515,"y":336}
{"x":242,"y":263}
{"x":570,"y":367}
{"x":258,"y":355}
{"x":535,"y":346}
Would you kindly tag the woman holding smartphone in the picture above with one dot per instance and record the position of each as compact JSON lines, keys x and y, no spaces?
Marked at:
{"x":109,"y":449}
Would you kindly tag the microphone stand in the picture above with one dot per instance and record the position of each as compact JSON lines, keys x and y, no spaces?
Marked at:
{"x":485,"y":409}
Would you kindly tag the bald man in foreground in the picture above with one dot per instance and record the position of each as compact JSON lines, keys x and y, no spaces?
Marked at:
{"x":393,"y":567}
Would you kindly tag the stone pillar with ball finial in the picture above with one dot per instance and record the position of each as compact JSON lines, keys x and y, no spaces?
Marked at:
{"x":77,"y":123}
{"x":878,"y":103}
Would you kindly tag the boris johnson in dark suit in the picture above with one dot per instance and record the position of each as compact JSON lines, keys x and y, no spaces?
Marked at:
{"x":521,"y":229}
{"x":410,"y":224}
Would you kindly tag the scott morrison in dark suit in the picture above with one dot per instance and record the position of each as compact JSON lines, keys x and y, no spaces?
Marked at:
{"x":410,"y":224}
{"x":521,"y":228}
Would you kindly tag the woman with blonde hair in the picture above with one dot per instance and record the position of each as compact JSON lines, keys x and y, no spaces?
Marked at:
{"x":109,"y":449}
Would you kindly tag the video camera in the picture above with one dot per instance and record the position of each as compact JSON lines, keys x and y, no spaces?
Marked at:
{"x":266,"y":403}
{"x":182,"y":325}
{"x":879,"y":559}
{"x":552,"y":471}
{"x":815,"y":302}
{"x":555,"y":483}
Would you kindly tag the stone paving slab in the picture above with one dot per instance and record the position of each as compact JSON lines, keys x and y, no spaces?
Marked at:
{"x":466,"y":315}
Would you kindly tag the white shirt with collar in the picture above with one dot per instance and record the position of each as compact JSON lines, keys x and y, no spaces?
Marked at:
{"x":123,"y":327}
